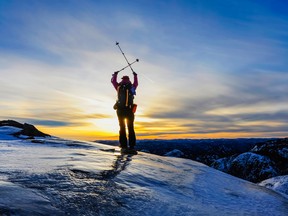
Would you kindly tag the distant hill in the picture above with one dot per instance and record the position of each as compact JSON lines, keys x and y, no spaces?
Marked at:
{"x":265,"y":160}
{"x":25,"y":130}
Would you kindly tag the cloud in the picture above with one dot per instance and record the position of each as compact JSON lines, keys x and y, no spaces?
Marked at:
{"x":199,"y":72}
{"x":50,"y":123}
{"x":251,"y":103}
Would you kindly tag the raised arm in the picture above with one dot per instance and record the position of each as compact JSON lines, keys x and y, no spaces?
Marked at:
{"x":135,"y":83}
{"x":114,"y":80}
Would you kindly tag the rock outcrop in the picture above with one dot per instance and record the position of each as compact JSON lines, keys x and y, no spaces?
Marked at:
{"x":27,"y":129}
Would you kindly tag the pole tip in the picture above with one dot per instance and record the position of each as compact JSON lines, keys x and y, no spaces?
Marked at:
{"x":117,"y":43}
{"x":137,"y":60}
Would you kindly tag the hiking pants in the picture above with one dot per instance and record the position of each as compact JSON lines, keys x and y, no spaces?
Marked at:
{"x":129,"y":116}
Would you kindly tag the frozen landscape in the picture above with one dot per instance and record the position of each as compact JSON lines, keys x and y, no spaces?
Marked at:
{"x":53,"y":176}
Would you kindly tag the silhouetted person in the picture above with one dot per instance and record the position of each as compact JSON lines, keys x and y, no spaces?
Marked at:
{"x":125,"y":110}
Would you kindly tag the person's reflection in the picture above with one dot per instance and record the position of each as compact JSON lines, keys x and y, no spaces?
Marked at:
{"x":120,"y":164}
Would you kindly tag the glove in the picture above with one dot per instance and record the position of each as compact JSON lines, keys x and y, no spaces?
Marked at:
{"x":116,"y":72}
{"x":134,"y":73}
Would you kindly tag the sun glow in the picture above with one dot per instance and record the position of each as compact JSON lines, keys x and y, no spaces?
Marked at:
{"x":109,"y":125}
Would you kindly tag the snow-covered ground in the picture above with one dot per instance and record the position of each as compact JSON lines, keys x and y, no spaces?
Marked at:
{"x":61,"y":177}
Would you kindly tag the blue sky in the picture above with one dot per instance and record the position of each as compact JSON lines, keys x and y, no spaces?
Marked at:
{"x":207,"y":68}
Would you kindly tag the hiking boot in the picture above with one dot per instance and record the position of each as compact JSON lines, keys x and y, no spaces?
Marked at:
{"x":132,"y":150}
{"x":129,"y":151}
{"x":124,"y":150}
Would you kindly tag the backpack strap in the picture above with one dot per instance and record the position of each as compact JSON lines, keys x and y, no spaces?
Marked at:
{"x":127,"y":97}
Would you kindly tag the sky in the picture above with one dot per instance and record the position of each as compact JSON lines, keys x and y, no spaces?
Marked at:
{"x":207,"y":68}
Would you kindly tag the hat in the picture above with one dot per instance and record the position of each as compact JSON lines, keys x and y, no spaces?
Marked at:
{"x":125,"y":78}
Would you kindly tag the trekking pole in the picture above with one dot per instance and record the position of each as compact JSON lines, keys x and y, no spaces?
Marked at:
{"x":128,"y":65}
{"x":117,"y":43}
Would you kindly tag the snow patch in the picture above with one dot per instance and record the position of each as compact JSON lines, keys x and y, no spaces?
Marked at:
{"x":7,"y":131}
{"x":278,"y":183}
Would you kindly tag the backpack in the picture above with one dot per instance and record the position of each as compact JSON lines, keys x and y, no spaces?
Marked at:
{"x":125,"y":96}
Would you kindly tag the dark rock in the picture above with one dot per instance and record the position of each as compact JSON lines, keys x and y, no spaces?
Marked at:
{"x":31,"y":131}
{"x":37,"y":141}
{"x":27,"y":129}
{"x":11,"y":123}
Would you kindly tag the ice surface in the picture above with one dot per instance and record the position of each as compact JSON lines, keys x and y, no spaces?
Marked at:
{"x":58,"y":176}
{"x":17,"y":200}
